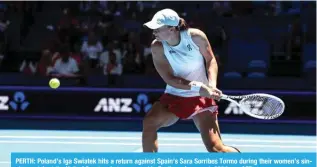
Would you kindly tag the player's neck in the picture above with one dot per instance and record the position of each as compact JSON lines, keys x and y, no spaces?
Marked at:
{"x":175,"y":39}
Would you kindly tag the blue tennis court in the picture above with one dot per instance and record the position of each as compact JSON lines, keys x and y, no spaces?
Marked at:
{"x":93,"y":141}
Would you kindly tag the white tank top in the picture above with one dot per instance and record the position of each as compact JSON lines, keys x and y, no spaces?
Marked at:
{"x":187,"y":62}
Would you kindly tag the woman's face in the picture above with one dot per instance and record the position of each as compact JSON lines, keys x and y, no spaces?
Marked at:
{"x":163,"y":34}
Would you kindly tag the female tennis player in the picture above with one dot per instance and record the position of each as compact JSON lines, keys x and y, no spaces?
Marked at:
{"x":184,"y":59}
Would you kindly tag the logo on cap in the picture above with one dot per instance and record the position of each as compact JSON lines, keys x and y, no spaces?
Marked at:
{"x":159,"y":22}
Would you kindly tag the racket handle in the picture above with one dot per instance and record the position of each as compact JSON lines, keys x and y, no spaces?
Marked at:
{"x":223,"y":96}
{"x":228,"y":98}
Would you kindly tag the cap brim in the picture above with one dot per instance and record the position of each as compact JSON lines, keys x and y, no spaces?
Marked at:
{"x":152,"y":25}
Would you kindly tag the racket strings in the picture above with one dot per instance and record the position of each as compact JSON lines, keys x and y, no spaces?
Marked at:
{"x":272,"y":107}
{"x":262,"y":105}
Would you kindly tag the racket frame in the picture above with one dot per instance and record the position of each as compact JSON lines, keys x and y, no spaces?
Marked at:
{"x":231,"y":99}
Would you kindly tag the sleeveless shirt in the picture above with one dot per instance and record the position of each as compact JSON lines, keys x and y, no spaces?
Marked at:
{"x":187,"y":62}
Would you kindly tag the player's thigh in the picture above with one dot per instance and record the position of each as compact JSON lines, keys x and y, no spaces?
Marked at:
{"x":207,"y":123}
{"x":159,"y":116}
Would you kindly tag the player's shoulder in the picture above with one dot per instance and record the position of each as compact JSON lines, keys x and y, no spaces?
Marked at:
{"x":197,"y":35}
{"x":194,"y":32}
{"x":156,"y":46}
{"x":156,"y":43}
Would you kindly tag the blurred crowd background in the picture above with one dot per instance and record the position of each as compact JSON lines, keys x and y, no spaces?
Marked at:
{"x":104,"y":43}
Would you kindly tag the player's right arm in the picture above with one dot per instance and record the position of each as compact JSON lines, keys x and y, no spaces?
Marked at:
{"x":164,"y":69}
{"x":166,"y":72}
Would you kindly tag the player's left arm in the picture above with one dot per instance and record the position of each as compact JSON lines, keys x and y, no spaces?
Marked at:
{"x":201,"y":40}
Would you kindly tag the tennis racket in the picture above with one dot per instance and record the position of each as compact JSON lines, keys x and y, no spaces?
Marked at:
{"x":258,"y":105}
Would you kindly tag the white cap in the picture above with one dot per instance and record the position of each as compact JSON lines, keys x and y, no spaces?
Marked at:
{"x":163,"y":17}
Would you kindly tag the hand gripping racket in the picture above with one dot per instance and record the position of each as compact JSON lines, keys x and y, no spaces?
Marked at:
{"x":258,"y":105}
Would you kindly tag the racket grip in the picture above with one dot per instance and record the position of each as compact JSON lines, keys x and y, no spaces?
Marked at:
{"x":223,"y":96}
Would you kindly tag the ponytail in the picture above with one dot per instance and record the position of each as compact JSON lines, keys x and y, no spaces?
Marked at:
{"x":182,"y":25}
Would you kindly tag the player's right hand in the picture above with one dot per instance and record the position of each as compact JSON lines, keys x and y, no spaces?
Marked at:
{"x":208,"y":92}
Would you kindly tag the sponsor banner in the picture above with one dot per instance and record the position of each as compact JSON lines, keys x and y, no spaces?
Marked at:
{"x":130,"y":103}
{"x":76,"y":103}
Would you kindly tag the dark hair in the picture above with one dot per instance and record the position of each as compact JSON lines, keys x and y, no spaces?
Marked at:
{"x":182,"y":25}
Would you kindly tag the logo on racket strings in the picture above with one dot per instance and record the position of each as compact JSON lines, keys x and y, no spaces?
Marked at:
{"x":254,"y":106}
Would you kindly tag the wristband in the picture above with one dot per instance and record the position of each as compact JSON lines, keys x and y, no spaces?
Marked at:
{"x":195,"y":86}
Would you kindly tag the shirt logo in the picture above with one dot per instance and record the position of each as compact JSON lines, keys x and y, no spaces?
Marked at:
{"x":189,"y":47}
